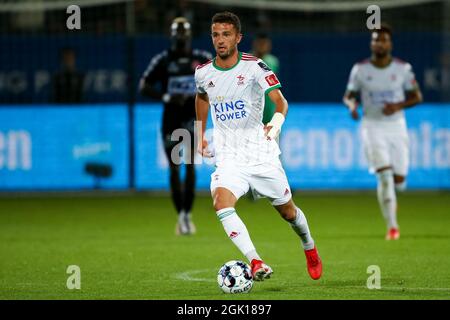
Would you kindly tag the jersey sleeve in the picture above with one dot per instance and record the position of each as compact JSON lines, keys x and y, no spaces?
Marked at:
{"x":410,"y":83}
{"x":266,"y":78}
{"x":199,"y":82}
{"x":354,"y":83}
{"x":154,"y":71}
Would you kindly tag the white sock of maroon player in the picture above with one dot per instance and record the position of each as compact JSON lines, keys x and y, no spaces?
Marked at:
{"x":387,"y":197}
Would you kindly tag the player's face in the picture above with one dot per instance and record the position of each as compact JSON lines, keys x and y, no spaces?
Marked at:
{"x":181,"y":35}
{"x":381,"y":44}
{"x":225,"y":39}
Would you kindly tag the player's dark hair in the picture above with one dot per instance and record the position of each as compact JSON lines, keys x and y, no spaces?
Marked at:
{"x":227,"y":17}
{"x":384,"y":28}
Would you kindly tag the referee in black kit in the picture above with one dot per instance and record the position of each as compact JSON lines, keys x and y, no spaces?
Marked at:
{"x":173,"y":70}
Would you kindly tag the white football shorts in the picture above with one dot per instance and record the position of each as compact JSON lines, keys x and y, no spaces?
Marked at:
{"x":386,"y":146}
{"x":267,"y":180}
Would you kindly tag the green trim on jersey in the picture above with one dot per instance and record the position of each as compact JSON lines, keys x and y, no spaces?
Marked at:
{"x":226,"y":69}
{"x":269,"y":106}
{"x":272,"y":88}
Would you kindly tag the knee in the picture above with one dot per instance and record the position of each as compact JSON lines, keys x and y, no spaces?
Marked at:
{"x":289,"y":215}
{"x":400,"y":183}
{"x":399,"y":179}
{"x":287,"y":212}
{"x":220,"y":202}
{"x":385,"y":176}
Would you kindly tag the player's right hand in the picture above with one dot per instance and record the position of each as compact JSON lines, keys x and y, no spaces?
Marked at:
{"x":203,"y":149}
{"x":354,"y":114}
{"x":353,"y":107}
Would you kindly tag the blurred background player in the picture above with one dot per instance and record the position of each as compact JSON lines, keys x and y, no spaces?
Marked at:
{"x":386,"y":86}
{"x":173,"y":70}
{"x":247,"y":155}
{"x":68,"y":82}
{"x":262,"y":48}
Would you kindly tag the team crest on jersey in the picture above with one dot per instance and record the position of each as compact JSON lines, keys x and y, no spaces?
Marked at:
{"x":272,"y":79}
{"x":240,"y":80}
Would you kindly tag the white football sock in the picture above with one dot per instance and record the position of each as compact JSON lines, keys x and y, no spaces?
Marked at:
{"x":237,"y":232}
{"x":387,"y":198}
{"x":300,"y":226}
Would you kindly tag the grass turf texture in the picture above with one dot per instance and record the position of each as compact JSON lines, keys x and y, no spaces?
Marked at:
{"x":126,"y":248}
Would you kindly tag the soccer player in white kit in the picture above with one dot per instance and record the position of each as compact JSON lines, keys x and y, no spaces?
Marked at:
{"x":386,"y":86}
{"x":233,"y":86}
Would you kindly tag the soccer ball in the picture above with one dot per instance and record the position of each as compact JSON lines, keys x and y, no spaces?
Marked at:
{"x":235,"y":277}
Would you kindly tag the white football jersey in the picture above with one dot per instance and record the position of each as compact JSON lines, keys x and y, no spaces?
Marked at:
{"x":236,"y":97}
{"x":378,"y":86}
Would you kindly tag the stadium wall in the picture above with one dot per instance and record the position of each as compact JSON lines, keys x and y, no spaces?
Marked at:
{"x":314,"y":67}
{"x":46,"y":147}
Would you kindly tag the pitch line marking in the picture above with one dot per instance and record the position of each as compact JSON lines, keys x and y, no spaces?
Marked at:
{"x":190,"y":275}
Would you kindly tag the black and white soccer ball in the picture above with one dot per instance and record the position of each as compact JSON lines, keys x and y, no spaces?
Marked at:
{"x":235,"y":277}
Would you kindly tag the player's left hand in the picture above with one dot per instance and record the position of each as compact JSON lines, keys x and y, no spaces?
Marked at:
{"x":267,"y":129}
{"x":391,"y":108}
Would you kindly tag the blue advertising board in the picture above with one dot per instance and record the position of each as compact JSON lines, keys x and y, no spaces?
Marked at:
{"x":47,"y":148}
{"x":321,"y":149}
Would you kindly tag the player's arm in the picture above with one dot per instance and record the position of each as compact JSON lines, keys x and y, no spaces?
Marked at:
{"x":412,"y":93}
{"x":350,"y":100}
{"x":273,"y":128}
{"x":412,"y":98}
{"x":353,"y":88}
{"x":151,"y":77}
{"x":201,"y":111}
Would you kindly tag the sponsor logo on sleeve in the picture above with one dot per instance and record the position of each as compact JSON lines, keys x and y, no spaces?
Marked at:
{"x":264,"y":66}
{"x":272,"y":80}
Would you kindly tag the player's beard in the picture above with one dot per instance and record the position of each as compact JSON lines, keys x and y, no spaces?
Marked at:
{"x":381,"y":54}
{"x":227,"y":54}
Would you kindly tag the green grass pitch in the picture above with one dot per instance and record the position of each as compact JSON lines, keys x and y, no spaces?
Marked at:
{"x":126,"y":248}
